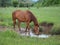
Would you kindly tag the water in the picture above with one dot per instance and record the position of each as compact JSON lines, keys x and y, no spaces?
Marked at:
{"x":33,"y":35}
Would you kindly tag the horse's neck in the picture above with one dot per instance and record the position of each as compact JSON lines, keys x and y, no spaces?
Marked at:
{"x":35,"y":21}
{"x":33,"y":18}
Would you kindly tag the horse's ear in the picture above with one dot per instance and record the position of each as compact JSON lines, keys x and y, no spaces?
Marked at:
{"x":37,"y":25}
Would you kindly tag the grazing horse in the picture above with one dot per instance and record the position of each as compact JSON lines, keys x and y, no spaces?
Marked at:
{"x":25,"y":16}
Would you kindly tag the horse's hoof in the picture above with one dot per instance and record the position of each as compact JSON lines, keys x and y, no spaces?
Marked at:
{"x":37,"y":33}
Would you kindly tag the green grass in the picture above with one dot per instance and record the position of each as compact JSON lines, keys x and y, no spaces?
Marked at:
{"x":49,"y":14}
{"x":12,"y":38}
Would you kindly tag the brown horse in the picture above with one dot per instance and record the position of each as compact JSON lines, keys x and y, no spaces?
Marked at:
{"x":25,"y":16}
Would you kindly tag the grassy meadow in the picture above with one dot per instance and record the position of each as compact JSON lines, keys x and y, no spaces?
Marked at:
{"x":49,"y":14}
{"x":12,"y":38}
{"x":9,"y":37}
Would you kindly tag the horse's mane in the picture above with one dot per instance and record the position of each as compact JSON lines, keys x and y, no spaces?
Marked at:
{"x":33,"y":17}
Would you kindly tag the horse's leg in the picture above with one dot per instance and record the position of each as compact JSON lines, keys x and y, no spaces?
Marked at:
{"x":19,"y":25}
{"x":27,"y":28}
{"x":14,"y":22}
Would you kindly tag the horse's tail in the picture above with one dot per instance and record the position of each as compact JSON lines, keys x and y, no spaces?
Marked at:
{"x":14,"y":18}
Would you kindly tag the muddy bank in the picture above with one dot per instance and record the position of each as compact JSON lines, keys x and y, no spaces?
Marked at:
{"x":22,"y":32}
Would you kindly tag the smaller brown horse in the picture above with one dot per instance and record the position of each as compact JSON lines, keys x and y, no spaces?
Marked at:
{"x":25,"y":16}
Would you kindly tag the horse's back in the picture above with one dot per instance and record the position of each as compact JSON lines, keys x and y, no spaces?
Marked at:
{"x":21,"y":15}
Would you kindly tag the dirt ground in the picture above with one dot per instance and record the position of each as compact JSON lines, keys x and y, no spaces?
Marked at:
{"x":22,"y":32}
{"x":4,"y":28}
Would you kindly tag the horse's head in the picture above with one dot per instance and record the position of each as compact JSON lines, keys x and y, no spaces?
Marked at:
{"x":36,"y":29}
